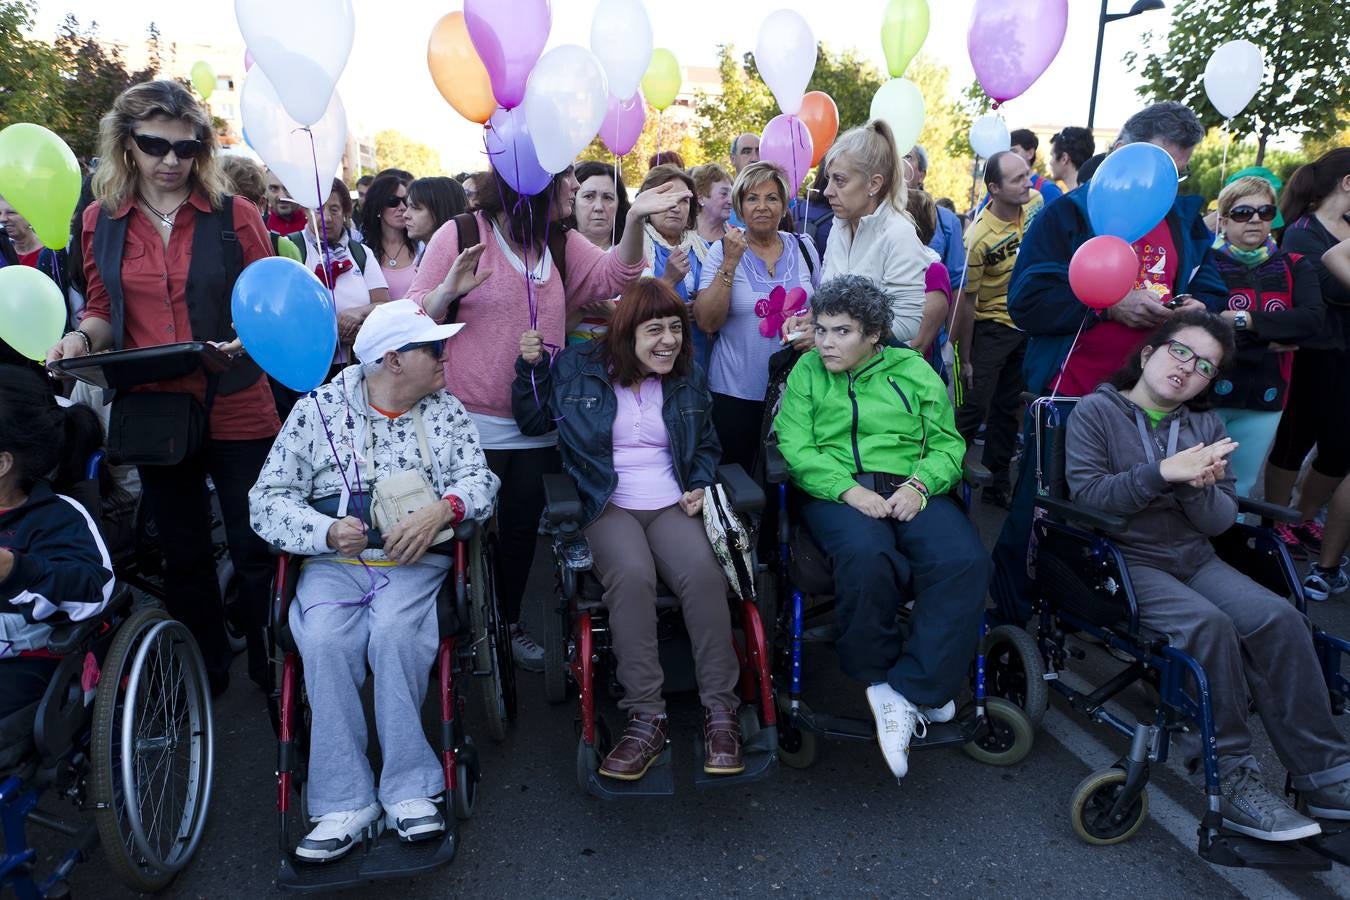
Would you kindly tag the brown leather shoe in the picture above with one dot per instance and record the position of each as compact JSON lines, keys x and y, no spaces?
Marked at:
{"x":722,"y":742}
{"x":640,"y":745}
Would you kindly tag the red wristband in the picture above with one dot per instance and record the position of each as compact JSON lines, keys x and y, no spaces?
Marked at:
{"x":457,"y":510}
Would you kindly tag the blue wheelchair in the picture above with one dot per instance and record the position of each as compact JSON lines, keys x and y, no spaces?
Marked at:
{"x":1081,"y":586}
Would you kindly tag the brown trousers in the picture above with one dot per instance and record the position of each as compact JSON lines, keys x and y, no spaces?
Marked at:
{"x":631,"y":549}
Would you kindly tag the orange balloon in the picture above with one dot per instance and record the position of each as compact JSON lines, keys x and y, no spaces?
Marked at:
{"x":821,"y":118}
{"x":459,"y":74}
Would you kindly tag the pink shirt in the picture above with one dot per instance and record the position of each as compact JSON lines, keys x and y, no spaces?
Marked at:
{"x":399,"y":279}
{"x":642,"y":461}
{"x":480,"y":361}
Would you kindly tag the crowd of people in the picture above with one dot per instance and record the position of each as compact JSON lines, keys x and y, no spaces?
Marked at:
{"x":626,"y":339}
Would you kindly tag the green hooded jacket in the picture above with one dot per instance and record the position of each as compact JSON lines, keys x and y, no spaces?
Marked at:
{"x":891,"y":415}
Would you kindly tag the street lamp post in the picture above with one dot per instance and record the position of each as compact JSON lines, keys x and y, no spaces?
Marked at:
{"x":1140,"y":6}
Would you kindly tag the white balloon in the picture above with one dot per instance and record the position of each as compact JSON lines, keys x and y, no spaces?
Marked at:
{"x":1233,"y":76}
{"x":989,"y":135}
{"x":621,"y":38}
{"x":284,"y":144}
{"x":899,"y":103}
{"x":565,"y":102}
{"x":785,"y":55}
{"x":302,"y":45}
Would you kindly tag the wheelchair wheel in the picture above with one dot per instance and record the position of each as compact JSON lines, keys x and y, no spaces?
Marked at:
{"x":494,"y":678}
{"x":465,"y":796}
{"x":152,"y":750}
{"x":1013,"y":670}
{"x":1090,"y":809}
{"x":1008,"y":738}
{"x":555,"y":650}
{"x":797,"y":747}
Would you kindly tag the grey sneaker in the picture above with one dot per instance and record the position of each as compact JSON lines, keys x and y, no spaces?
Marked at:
{"x":1330,"y":802}
{"x":527,"y":654}
{"x":1250,"y":808}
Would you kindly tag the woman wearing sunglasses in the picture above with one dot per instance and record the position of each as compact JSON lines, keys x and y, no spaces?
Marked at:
{"x":162,"y":248}
{"x":383,"y":223}
{"x":1144,"y":446}
{"x":1275,"y":306}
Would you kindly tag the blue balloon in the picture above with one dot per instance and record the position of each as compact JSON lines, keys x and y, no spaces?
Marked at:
{"x":1131,"y":191}
{"x":286,"y":320}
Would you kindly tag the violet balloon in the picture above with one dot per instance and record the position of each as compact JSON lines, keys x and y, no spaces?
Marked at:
{"x":511,"y":152}
{"x":509,"y":35}
{"x":624,"y":120}
{"x":1012,"y":44}
{"x":787,"y":142}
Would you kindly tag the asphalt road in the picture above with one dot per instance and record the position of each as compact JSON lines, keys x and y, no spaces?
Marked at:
{"x":842,"y":828}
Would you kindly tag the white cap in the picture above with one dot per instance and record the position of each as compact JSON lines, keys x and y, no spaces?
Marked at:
{"x":396,"y":324}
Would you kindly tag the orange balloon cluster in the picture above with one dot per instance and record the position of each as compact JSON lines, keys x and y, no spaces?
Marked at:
{"x":459,"y":74}
{"x":821,"y":117}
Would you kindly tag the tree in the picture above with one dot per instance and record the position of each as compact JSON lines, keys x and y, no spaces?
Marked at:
{"x":745,"y":104}
{"x":94,"y":75}
{"x":945,"y":130}
{"x":850,"y":81}
{"x":671,"y":136}
{"x":1306,"y":79}
{"x":1208,"y":169}
{"x":31,"y":87}
{"x":395,"y":150}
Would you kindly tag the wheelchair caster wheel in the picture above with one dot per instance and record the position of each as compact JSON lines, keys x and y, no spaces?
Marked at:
{"x":1090,"y":809}
{"x":466,"y":790}
{"x":797,"y":747}
{"x":1008,"y":737}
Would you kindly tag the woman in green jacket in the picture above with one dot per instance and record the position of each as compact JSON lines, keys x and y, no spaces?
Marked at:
{"x":869,"y":434}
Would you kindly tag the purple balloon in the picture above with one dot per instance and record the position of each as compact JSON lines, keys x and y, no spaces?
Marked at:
{"x":624,"y":120}
{"x":787,"y":142}
{"x":511,"y":152}
{"x":1012,"y":44}
{"x":509,"y":35}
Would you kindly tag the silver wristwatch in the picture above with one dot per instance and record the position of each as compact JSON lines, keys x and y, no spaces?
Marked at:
{"x":1241,"y":320}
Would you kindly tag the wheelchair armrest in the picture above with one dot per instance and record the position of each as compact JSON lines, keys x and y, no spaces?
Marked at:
{"x":975,"y":474}
{"x":1083,"y":515}
{"x":775,"y":466}
{"x":287,"y":576}
{"x":71,"y":637}
{"x":1272,"y":511}
{"x":466,"y":530}
{"x":562,"y":503}
{"x":744,"y":494}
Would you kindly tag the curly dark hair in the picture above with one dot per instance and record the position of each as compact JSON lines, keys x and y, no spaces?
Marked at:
{"x":859,"y":298}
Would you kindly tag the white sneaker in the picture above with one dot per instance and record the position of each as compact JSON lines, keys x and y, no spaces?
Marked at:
{"x":898,"y":721}
{"x":336,"y":833}
{"x":414,"y":820}
{"x":527,"y":654}
{"x":939,"y":714}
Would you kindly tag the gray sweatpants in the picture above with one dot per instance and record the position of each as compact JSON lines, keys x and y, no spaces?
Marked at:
{"x":397,"y":634}
{"x":1249,"y":641}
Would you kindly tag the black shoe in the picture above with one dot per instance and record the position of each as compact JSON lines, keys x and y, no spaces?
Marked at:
{"x":994,"y":496}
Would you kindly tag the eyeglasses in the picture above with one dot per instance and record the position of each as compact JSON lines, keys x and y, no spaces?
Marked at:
{"x":1266,"y":212}
{"x":1181,"y":353}
{"x":396,"y":202}
{"x":153,"y":145}
{"x":437,"y":348}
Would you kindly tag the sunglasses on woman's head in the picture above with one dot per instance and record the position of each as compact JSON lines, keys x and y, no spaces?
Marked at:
{"x":1181,"y":353}
{"x":396,"y":202}
{"x":152,"y":145}
{"x":1266,"y":211}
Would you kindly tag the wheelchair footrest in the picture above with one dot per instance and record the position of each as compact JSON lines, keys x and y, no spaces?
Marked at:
{"x":378,"y":858}
{"x":1333,"y":842}
{"x":1242,"y":852}
{"x":659,"y":782}
{"x":761,"y":759}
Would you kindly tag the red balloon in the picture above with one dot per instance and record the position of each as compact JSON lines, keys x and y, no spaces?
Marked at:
{"x":1103,"y":271}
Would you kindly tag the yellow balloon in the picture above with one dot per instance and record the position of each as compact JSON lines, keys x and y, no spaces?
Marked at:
{"x":203,"y":78}
{"x":40,"y":178}
{"x":662,"y":82}
{"x":32,"y":311}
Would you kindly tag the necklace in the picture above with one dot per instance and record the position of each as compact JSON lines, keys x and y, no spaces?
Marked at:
{"x":392,"y":261}
{"x":165,"y":218}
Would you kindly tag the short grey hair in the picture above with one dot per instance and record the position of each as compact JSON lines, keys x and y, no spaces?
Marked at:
{"x":1169,"y":120}
{"x":858,"y":297}
{"x":921,"y":156}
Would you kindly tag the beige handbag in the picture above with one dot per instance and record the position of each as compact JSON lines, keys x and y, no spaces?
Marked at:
{"x":730,"y":541}
{"x":398,"y":495}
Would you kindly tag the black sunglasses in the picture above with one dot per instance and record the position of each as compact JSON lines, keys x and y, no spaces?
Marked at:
{"x":1266,"y":211}
{"x":151,"y":145}
{"x":437,"y":348}
{"x":396,"y":202}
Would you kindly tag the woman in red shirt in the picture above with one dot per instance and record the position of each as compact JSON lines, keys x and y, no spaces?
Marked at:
{"x":162,"y":248}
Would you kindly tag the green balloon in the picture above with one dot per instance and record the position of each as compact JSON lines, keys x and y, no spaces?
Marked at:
{"x":40,"y":178}
{"x":903,"y":31}
{"x":203,"y":78}
{"x":32,"y":311}
{"x":662,"y":82}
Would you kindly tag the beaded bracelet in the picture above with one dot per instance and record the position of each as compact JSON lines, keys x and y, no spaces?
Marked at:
{"x":88,"y":344}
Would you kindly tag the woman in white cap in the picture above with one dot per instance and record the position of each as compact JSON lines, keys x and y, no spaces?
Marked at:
{"x":387,"y":416}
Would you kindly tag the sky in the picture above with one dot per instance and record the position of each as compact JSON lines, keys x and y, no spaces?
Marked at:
{"x":386,"y":83}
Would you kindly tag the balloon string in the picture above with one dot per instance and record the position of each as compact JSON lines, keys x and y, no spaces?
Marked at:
{"x":1223,"y":168}
{"x":618,"y":163}
{"x":1054,"y":391}
{"x":322,"y":239}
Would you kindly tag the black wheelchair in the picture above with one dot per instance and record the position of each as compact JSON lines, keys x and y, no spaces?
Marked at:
{"x":1081,"y":586}
{"x":578,"y":648}
{"x":474,"y":647}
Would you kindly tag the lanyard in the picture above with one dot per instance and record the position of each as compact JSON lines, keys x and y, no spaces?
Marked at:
{"x":1147,"y":436}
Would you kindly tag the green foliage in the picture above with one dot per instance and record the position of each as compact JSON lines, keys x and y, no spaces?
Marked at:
{"x":1306,"y":79}
{"x":31,"y":86}
{"x":93,"y":76}
{"x":745,"y":104}
{"x":945,"y":129}
{"x":658,"y":128}
{"x":850,"y":81}
{"x":1208,"y":168}
{"x":395,"y":150}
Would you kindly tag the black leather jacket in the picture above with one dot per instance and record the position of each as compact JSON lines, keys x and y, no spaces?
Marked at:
{"x":578,"y":393}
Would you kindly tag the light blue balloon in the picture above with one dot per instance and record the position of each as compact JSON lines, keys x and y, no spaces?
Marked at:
{"x":286,"y":320}
{"x":1131,"y":191}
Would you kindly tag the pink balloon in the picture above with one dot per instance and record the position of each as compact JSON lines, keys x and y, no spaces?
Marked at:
{"x":624,"y":120}
{"x":1012,"y":44}
{"x":787,"y":142}
{"x":509,"y":35}
{"x":1103,"y":271}
{"x":248,"y":60}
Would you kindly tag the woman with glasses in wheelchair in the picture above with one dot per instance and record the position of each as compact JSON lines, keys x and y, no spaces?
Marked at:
{"x":387,"y":423}
{"x":1146,"y":446}
{"x":869,"y":435}
{"x":634,"y":423}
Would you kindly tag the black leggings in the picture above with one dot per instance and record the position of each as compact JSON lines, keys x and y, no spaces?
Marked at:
{"x":738,"y":423}
{"x":519,"y":505}
{"x":1316,"y":414}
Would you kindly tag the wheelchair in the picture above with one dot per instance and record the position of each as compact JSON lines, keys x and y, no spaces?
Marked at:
{"x":1081,"y":586}
{"x":474,"y":648}
{"x":578,"y":648}
{"x":141,"y":758}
